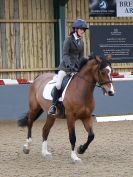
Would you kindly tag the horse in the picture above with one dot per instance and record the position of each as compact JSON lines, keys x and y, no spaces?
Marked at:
{"x":78,"y":103}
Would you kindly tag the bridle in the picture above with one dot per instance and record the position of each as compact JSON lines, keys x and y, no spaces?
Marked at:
{"x":100,"y":83}
{"x":105,"y":82}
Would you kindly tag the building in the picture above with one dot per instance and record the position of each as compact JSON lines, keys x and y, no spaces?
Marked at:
{"x":32,"y":33}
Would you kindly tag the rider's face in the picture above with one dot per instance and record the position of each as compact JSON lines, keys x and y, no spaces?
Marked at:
{"x":81,"y":32}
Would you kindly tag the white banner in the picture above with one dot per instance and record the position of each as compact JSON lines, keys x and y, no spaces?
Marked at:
{"x":124,"y":8}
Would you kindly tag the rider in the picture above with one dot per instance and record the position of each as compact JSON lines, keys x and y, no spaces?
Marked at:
{"x":73,"y":52}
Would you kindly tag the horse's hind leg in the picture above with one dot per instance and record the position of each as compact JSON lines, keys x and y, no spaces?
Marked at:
{"x":88,"y":126}
{"x":31,"y":117}
{"x":35,"y":111}
{"x":26,"y":147}
{"x":46,"y":129}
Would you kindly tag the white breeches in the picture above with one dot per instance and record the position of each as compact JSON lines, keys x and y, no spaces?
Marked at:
{"x":61,"y":75}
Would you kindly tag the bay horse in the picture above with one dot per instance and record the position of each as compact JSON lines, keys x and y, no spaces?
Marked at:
{"x":78,"y":103}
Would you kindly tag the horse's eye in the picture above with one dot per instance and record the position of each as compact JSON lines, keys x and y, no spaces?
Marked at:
{"x":103,"y":71}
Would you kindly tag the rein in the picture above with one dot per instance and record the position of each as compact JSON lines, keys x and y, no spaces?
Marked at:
{"x":89,"y":82}
{"x":94,"y":83}
{"x":100,"y":84}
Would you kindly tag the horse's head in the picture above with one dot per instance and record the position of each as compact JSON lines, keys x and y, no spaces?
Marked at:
{"x":104,"y":76}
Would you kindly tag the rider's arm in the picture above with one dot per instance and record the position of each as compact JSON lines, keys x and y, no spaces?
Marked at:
{"x":66,"y":52}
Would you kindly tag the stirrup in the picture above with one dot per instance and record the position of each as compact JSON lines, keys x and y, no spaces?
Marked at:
{"x":52,"y":110}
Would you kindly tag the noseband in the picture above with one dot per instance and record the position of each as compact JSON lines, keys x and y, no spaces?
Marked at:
{"x":102,"y":83}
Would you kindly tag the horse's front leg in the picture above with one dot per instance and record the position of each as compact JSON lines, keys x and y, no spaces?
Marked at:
{"x":88,"y":126}
{"x":72,"y":138}
{"x":46,"y":129}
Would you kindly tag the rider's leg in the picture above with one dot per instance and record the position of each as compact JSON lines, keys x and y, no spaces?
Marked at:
{"x":56,"y":94}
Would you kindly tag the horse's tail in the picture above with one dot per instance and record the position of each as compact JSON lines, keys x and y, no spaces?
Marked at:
{"x":23,"y":121}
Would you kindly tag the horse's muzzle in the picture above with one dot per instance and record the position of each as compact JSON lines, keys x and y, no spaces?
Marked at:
{"x":110,"y":93}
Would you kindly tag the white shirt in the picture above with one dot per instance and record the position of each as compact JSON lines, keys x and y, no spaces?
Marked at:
{"x":75,"y":36}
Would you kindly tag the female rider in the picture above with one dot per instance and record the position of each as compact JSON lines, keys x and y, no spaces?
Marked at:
{"x":73,"y":54}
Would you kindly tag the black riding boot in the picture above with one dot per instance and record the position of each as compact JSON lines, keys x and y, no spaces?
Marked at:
{"x":56,"y":95}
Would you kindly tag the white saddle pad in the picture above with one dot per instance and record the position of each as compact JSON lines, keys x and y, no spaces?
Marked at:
{"x":49,"y":86}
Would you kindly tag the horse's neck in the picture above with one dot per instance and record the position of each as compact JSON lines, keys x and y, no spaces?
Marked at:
{"x":86,"y":81}
{"x":87,"y":73}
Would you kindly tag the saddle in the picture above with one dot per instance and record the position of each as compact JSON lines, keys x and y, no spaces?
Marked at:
{"x":48,"y":89}
{"x":63,"y":85}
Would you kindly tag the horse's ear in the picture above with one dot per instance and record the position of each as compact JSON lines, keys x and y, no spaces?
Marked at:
{"x":109,"y":57}
{"x":98,"y":59}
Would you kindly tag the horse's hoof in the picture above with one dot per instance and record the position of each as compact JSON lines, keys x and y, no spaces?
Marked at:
{"x":80,"y":149}
{"x":75,"y":158}
{"x":47,"y":156}
{"x":26,"y":150}
{"x":77,"y":161}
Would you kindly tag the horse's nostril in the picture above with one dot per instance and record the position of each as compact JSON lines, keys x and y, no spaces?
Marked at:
{"x":110,"y":93}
